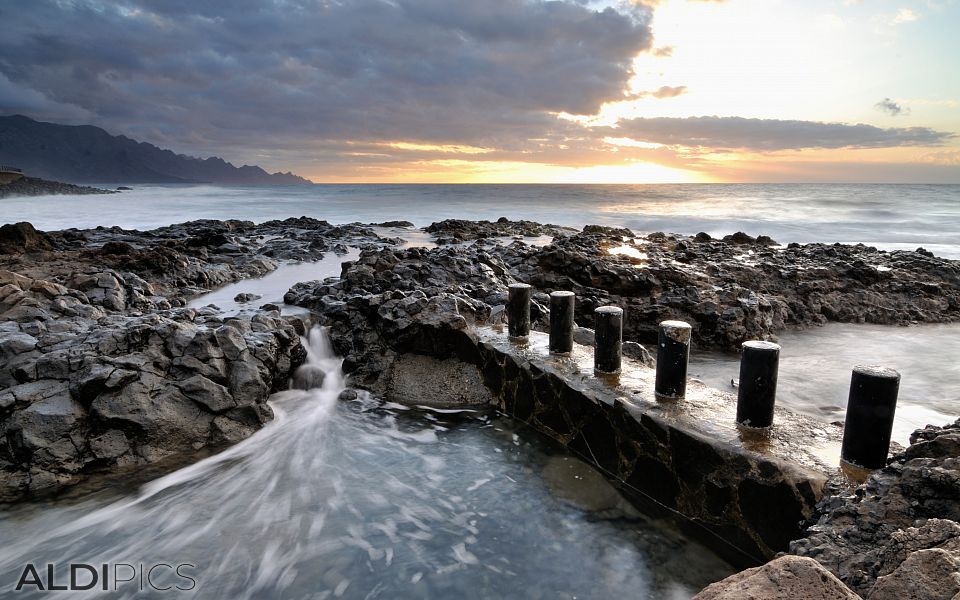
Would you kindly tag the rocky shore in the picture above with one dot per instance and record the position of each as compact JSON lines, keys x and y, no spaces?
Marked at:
{"x":107,"y":368}
{"x":104,"y":366}
{"x":34,"y":186}
{"x":895,"y":537}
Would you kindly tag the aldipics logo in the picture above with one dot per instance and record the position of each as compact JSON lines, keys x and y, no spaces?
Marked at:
{"x":115,"y":577}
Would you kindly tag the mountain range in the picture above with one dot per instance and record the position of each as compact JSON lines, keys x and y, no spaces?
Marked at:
{"x":88,"y":154}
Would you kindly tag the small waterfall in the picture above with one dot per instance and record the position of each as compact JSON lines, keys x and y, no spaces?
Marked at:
{"x":322,"y":369}
{"x":208,"y":513}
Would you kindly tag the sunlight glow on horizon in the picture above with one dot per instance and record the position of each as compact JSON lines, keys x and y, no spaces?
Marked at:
{"x":826,"y":61}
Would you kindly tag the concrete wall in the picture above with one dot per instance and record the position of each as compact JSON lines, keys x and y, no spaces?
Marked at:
{"x":743,"y":493}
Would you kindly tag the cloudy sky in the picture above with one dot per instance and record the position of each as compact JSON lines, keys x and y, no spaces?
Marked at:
{"x":507,"y":90}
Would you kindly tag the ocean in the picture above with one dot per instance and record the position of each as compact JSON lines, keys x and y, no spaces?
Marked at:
{"x":885,"y":216}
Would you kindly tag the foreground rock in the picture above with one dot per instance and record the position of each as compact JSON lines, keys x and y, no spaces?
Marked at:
{"x":103,"y":366}
{"x":898,"y":535}
{"x":786,"y":578}
{"x":33,"y":186}
{"x":123,"y":391}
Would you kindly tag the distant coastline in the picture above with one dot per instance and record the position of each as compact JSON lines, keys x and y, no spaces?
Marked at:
{"x":34,"y":186}
{"x":87,"y":154}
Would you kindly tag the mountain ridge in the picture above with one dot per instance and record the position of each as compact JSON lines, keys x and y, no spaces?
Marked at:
{"x":90,"y":154}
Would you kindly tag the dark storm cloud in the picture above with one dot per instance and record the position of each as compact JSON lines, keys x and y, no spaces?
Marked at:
{"x":737,"y":133}
{"x":261,"y":74}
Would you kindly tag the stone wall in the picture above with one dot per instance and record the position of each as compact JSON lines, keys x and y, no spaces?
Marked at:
{"x":747,"y":504}
{"x":745,"y":494}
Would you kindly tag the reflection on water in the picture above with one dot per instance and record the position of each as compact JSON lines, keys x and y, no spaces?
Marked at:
{"x":272,"y":286}
{"x":362,"y":500}
{"x":815,"y":367}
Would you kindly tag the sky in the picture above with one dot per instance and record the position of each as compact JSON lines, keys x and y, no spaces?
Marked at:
{"x":512,"y":91}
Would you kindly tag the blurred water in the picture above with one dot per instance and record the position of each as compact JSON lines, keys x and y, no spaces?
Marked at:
{"x":887,"y":216}
{"x":357,"y":500}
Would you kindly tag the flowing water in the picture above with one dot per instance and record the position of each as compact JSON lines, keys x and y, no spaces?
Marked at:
{"x":357,"y":499}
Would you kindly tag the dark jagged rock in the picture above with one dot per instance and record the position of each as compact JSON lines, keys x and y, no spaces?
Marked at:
{"x":729,"y":292}
{"x":903,"y":511}
{"x":102,"y":371}
{"x":732,"y":292}
{"x":86,"y":386}
{"x":22,"y":237}
{"x":399,"y":315}
{"x":459,"y":230}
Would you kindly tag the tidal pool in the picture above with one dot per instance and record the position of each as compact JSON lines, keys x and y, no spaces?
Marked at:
{"x":360,"y":499}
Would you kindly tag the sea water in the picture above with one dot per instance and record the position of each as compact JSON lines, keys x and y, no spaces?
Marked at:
{"x":886,"y":216}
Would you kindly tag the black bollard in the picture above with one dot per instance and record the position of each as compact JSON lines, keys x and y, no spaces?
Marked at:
{"x":561,"y":322}
{"x":869,"y":422}
{"x":673,"y":352}
{"x":758,"y":383}
{"x":608,"y":339}
{"x":518,"y":310}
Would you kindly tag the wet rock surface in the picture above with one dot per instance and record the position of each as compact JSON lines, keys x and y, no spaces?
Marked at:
{"x":729,"y":290}
{"x":105,"y":369}
{"x":741,"y":288}
{"x":899,"y":532}
{"x":447,"y":304}
{"x":454,"y":231}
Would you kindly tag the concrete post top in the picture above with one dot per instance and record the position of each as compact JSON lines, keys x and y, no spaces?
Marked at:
{"x":675,"y":325}
{"x":519,"y":286}
{"x":761,"y":345}
{"x":609,"y":310}
{"x":561,"y":294}
{"x":877,"y":371}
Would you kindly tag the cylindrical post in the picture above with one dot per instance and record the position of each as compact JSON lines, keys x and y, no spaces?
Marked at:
{"x":758,"y":383}
{"x":608,"y":339}
{"x":518,"y":310}
{"x":673,"y":352}
{"x":561,"y":322}
{"x":869,"y":423}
